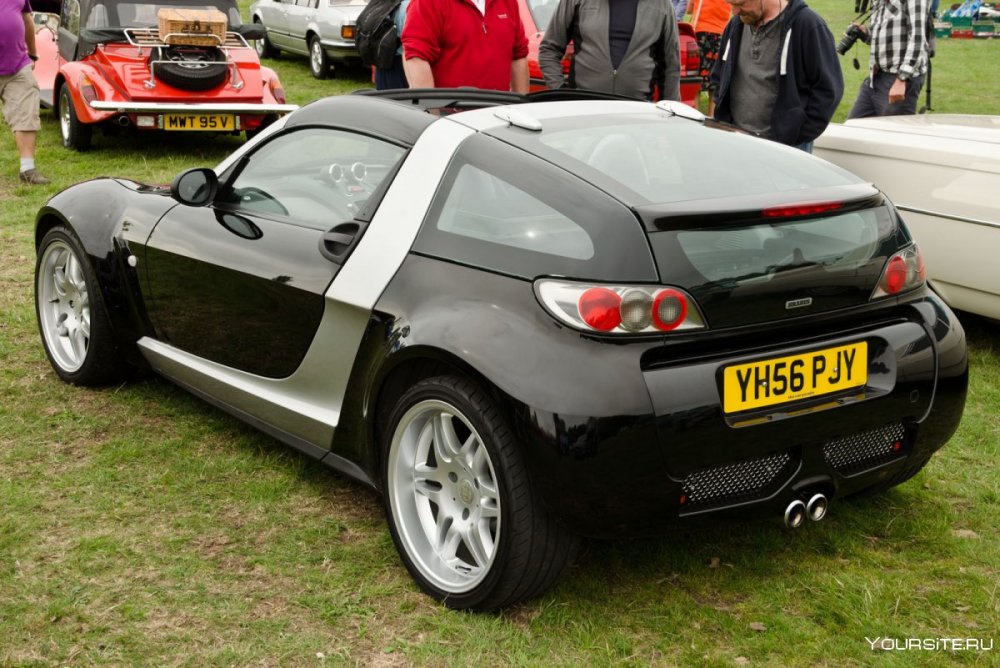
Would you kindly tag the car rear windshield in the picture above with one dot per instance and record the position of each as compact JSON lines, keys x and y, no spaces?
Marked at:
{"x":748,"y":254}
{"x":645,"y":159}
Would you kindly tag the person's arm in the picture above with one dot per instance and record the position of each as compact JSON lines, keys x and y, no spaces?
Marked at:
{"x":553,"y":45}
{"x":916,"y":46}
{"x":669,"y":68}
{"x":519,"y":76}
{"x":29,"y":36}
{"x":418,"y":73}
{"x":818,"y":56}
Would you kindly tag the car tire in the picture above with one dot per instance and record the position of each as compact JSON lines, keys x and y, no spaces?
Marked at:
{"x":72,"y":319}
{"x":466,"y":520}
{"x":189,"y":67}
{"x":319,"y":62}
{"x":263,"y":45}
{"x":76,"y":135}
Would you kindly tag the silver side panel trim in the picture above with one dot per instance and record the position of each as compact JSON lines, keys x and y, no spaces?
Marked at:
{"x":388,"y":239}
{"x":222,"y":107}
{"x":305,"y":405}
{"x":938,"y":214}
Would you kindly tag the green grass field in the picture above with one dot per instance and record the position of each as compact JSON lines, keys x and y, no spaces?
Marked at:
{"x":138,"y":526}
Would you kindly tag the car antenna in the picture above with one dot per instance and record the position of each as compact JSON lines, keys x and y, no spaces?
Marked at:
{"x":518,"y":118}
{"x":675,"y":108}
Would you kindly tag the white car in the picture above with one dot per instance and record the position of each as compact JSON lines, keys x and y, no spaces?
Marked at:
{"x":320,"y":29}
{"x":942,"y":171}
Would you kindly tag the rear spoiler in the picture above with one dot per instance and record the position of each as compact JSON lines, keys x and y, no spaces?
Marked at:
{"x":790,"y":205}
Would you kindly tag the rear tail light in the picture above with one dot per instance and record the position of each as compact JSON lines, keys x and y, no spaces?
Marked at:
{"x":904,"y":271}
{"x":619,"y":309}
{"x":276,"y":90}
{"x":87,"y":90}
{"x":794,"y":210}
{"x":691,"y":58}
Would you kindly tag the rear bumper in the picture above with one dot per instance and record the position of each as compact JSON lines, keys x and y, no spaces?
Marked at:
{"x":685,"y":464}
{"x":193,"y":108}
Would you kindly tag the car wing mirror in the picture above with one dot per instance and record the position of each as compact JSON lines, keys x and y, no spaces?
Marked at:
{"x":195,"y":187}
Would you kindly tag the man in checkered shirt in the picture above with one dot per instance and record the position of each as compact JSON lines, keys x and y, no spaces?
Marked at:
{"x":899,"y":58}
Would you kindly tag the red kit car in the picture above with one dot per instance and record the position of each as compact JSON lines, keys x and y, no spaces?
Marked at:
{"x":535,"y":15}
{"x":108,"y":63}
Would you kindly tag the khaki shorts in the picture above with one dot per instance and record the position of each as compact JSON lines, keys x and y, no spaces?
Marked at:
{"x":19,"y":93}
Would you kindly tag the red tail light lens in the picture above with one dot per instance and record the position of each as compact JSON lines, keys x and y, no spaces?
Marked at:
{"x":87,"y":90}
{"x":793,"y":210}
{"x":669,"y":309}
{"x":601,"y":309}
{"x":904,"y":271}
{"x":691,"y":62}
{"x":277,"y":91}
{"x":895,"y":275}
{"x":619,"y":309}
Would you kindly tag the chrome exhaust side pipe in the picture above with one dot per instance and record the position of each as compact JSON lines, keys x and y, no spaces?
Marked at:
{"x":817,"y":506}
{"x":795,"y":514}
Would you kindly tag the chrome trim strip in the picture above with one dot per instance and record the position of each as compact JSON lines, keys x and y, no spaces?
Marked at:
{"x":936,"y":214}
{"x":221,"y":107}
{"x":306,"y":404}
{"x":388,"y":239}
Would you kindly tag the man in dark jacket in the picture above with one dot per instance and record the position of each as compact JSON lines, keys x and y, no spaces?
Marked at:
{"x":777,"y":74}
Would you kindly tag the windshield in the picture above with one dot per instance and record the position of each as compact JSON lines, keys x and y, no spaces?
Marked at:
{"x":145,"y":14}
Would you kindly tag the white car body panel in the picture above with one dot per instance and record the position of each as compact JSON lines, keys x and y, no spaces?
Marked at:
{"x":942,"y":171}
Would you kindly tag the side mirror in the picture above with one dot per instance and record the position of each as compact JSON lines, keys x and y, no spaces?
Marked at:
{"x":195,"y":187}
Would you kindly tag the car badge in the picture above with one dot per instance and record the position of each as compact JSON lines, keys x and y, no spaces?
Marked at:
{"x":799,"y":303}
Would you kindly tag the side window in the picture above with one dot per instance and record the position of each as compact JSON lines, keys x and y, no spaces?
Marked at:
{"x":485,"y":207}
{"x":315,"y":177}
{"x":506,"y":210}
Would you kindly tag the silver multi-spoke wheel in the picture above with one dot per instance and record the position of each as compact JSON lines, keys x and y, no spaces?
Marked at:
{"x":63,"y":306}
{"x":462,"y":509}
{"x":444,"y":495}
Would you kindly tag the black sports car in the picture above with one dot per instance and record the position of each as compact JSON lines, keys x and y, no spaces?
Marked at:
{"x":523,"y":321}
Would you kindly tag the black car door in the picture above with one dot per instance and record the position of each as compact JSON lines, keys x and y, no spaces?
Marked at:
{"x":241,"y":282}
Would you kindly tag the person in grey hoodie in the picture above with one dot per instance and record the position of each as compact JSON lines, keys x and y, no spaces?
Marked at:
{"x":628,"y":47}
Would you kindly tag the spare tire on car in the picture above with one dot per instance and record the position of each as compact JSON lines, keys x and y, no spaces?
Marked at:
{"x":189,"y":67}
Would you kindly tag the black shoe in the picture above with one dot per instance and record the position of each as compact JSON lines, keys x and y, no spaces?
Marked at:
{"x":33,"y":177}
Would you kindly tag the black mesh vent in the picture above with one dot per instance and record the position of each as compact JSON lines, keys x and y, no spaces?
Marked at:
{"x":861,"y":452}
{"x":743,"y":481}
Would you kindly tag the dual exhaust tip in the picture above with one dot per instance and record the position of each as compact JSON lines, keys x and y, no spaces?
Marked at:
{"x":814,"y":509}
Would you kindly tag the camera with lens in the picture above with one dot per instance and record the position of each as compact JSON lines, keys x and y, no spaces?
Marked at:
{"x":850,"y":37}
{"x":854,"y":31}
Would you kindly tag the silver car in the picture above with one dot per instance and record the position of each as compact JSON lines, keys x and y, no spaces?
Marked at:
{"x":321,"y":29}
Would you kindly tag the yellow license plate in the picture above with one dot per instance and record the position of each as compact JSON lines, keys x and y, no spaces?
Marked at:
{"x":793,"y":378}
{"x":217,"y":122}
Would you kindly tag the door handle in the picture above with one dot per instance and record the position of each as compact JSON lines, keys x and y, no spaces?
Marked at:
{"x":337,"y":243}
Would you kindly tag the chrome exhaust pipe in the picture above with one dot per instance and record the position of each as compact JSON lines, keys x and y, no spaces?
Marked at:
{"x":817,"y":506}
{"x":795,"y":514}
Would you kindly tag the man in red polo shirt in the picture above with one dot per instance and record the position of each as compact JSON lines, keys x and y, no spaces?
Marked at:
{"x":453,"y":43}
